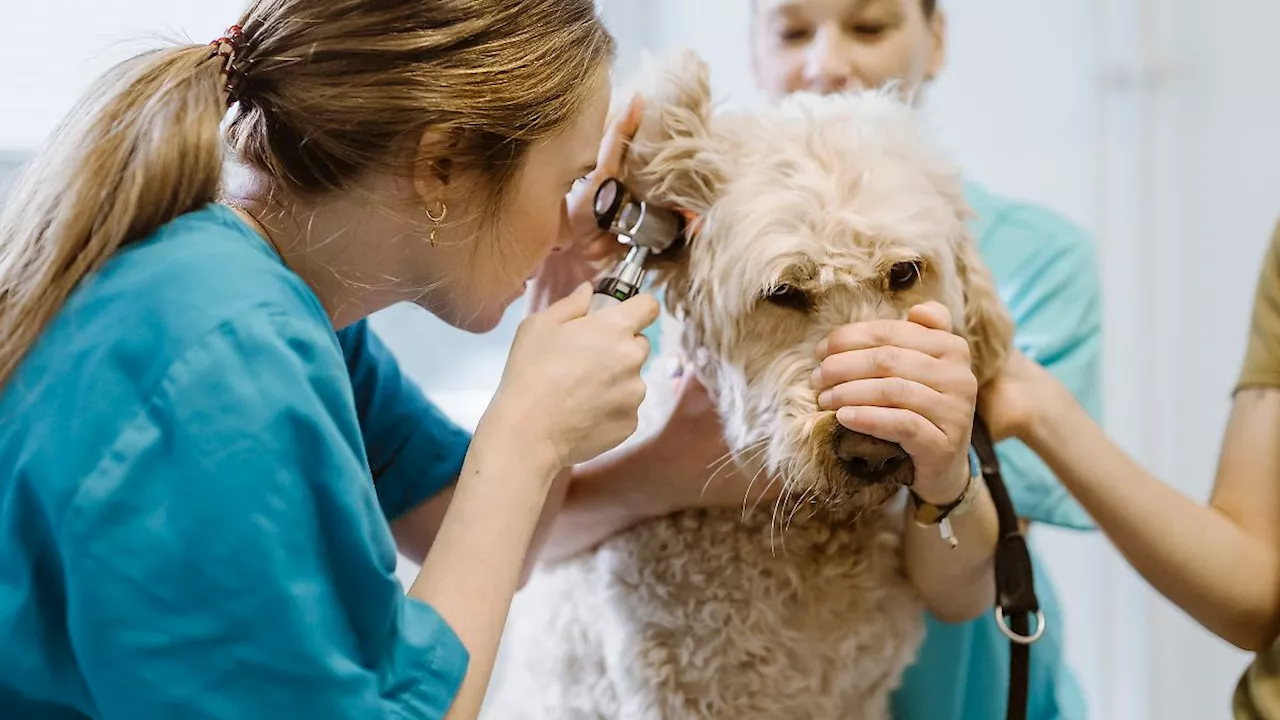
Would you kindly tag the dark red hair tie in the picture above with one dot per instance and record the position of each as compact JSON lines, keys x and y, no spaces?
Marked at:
{"x":228,"y":47}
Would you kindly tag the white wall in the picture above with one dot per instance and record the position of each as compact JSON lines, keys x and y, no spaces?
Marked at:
{"x":53,"y":50}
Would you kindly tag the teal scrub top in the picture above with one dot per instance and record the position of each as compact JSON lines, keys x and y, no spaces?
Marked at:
{"x":1045,"y":271}
{"x":196,"y":479}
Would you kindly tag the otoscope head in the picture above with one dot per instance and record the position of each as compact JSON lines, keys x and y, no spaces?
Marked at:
{"x":644,"y":225}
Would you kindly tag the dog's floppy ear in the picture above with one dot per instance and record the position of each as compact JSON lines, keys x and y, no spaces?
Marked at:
{"x":674,"y":160}
{"x":987,"y":324}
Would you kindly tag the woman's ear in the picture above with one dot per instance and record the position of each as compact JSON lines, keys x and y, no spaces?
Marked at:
{"x":432,"y":168}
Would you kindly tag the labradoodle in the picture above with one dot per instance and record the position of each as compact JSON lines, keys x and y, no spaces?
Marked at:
{"x":814,"y":213}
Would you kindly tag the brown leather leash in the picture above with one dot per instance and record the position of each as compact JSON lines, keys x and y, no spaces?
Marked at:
{"x":1016,"y":603}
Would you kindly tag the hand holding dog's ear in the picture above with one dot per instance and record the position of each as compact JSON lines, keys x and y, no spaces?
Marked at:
{"x":583,"y":248}
{"x":580,"y":229}
{"x":1012,"y":402}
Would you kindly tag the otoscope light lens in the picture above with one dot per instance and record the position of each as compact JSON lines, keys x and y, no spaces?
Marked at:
{"x":607,"y":197}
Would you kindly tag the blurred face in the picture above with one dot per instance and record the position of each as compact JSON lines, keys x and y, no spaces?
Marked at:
{"x":826,"y":46}
{"x":487,"y":261}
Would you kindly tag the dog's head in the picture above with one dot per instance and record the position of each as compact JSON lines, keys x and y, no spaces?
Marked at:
{"x":813,"y":214}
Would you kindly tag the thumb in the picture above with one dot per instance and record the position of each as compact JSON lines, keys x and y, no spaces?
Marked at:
{"x":932,"y":315}
{"x":571,"y":307}
{"x":636,"y":313}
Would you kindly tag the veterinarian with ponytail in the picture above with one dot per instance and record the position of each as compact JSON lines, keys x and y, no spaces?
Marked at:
{"x":1045,"y":270}
{"x":1220,"y":563}
{"x":201,"y":441}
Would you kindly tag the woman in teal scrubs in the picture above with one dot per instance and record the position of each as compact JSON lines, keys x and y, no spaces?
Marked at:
{"x":207,"y":459}
{"x":1045,"y":269}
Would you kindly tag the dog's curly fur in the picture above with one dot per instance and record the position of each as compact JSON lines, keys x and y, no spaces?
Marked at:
{"x":800,"y":610}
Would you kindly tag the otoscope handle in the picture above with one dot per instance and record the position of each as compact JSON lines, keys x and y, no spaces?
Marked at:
{"x":623,"y":283}
{"x":610,"y":291}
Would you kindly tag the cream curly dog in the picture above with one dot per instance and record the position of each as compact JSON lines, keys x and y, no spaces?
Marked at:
{"x":813,"y":214}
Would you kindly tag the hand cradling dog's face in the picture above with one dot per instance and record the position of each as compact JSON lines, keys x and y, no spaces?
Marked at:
{"x":817,"y":213}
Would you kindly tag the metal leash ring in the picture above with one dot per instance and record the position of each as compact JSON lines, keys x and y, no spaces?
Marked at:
{"x":1003,"y":622}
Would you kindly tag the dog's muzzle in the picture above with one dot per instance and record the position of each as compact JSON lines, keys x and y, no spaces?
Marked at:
{"x":872,"y":461}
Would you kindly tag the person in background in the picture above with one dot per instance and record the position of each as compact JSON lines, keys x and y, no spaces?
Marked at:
{"x":207,"y":459}
{"x":1219,"y":563}
{"x":1045,"y":269}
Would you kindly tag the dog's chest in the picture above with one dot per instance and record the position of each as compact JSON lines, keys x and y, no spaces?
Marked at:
{"x":709,"y":615}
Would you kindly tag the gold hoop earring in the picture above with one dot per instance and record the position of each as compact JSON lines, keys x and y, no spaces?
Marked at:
{"x":444,"y":210}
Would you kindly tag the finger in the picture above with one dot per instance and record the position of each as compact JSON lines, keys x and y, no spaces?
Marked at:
{"x":602,"y":246}
{"x":898,"y":333}
{"x":947,"y":413}
{"x":917,"y":436}
{"x":888,"y":362}
{"x":571,"y":307}
{"x":614,"y":146}
{"x":932,"y":314}
{"x":634,"y":314}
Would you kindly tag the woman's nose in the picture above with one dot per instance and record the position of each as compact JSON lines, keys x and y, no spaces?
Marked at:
{"x":829,"y":62}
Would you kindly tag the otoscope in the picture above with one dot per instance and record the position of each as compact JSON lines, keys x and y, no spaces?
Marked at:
{"x":647,"y":229}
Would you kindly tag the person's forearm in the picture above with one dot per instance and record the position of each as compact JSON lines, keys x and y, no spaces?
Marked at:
{"x":1194,"y":555}
{"x":415,"y":532}
{"x":605,"y":496}
{"x":475,"y":564}
{"x":547,"y":523}
{"x":957,"y":584}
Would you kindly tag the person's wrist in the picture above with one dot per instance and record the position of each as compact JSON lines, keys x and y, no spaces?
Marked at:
{"x":948,"y":487}
{"x":504,"y":434}
{"x":1047,"y":419}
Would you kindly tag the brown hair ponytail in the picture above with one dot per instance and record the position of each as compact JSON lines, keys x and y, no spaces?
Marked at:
{"x":140,"y":149}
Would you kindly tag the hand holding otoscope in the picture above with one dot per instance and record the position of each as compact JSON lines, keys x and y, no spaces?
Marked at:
{"x":647,"y":229}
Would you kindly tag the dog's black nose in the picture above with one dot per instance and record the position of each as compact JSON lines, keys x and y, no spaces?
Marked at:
{"x":870,"y":460}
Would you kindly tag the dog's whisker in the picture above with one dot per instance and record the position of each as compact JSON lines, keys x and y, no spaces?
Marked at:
{"x":798,"y":504}
{"x":728,"y":457}
{"x":763,"y":493}
{"x":747,"y":496}
{"x":799,"y":501}
{"x":773,"y":520}
{"x":725,"y":460}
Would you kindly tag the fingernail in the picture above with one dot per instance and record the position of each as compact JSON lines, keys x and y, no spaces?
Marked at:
{"x":822,"y":348}
{"x":824,"y":399}
{"x":815,"y":380}
{"x":844,"y":416}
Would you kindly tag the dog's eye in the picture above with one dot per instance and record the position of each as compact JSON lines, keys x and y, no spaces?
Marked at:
{"x":903,"y":275}
{"x":789,"y":296}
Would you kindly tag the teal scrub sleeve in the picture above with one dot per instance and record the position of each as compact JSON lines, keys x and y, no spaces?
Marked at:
{"x":227,"y":557}
{"x":1047,"y":276}
{"x":414,"y":450}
